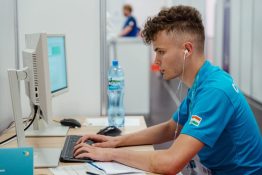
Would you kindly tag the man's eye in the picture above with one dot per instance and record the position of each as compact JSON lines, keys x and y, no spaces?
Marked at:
{"x":161,"y":52}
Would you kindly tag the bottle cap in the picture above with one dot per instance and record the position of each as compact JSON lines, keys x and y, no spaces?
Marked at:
{"x":115,"y":62}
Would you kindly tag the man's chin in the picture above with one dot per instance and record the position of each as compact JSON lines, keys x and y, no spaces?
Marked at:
{"x":168,"y":77}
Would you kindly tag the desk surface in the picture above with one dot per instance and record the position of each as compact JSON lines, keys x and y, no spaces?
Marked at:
{"x":58,"y":142}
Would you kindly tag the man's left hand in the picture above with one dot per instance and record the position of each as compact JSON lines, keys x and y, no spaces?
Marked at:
{"x":84,"y":150}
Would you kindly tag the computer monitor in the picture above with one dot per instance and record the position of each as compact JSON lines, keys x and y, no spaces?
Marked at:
{"x":37,"y":85}
{"x":45,"y":74}
{"x":45,"y":58}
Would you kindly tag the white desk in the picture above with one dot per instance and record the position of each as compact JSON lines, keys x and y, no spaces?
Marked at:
{"x":58,"y":142}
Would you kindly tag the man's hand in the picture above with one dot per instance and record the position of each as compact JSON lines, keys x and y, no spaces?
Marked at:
{"x":169,"y":161}
{"x":84,"y":150}
{"x":100,"y":140}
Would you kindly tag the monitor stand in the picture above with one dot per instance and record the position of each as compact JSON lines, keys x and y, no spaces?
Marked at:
{"x":46,"y":157}
{"x":47,"y":130}
{"x":43,"y":157}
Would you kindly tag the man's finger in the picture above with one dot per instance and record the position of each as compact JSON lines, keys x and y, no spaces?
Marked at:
{"x":95,"y":138}
{"x":98,"y":138}
{"x":82,"y":139}
{"x":84,"y":155}
{"x":102,"y":145}
{"x":85,"y":148}
{"x":78,"y":146}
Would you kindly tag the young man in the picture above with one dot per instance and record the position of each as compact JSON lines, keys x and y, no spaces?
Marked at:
{"x":130,"y":28}
{"x":213,"y":121}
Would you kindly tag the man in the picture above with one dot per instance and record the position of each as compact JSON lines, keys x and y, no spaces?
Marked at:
{"x":130,"y":28}
{"x":213,"y":121}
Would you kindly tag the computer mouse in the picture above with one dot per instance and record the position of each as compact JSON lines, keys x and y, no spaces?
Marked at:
{"x":110,"y":131}
{"x":72,"y":123}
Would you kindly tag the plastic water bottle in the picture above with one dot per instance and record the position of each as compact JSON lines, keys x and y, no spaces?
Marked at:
{"x":115,"y":90}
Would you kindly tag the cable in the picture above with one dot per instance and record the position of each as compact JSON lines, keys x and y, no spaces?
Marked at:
{"x":179,"y":90}
{"x":12,"y":124}
{"x":35,"y":112}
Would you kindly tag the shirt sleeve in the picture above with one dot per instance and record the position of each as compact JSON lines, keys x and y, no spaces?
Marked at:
{"x":181,"y":115}
{"x":211,"y":112}
{"x":131,"y":23}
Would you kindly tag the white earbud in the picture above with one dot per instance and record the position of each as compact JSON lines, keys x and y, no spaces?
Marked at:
{"x":186,"y":51}
{"x":185,"y":54}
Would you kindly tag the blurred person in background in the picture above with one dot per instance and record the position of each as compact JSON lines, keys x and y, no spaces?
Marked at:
{"x":130,"y":28}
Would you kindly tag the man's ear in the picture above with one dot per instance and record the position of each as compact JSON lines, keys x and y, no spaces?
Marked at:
{"x":188,"y":48}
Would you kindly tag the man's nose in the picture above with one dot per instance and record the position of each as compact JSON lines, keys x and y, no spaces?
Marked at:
{"x":155,"y":67}
{"x":157,"y":61}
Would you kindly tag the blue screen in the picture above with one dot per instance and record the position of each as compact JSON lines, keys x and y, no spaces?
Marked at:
{"x":57,"y":62}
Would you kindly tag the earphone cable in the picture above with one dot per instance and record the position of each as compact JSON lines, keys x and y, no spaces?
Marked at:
{"x":179,"y":90}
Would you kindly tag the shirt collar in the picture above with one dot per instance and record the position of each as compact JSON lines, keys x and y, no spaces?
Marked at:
{"x":203,"y":72}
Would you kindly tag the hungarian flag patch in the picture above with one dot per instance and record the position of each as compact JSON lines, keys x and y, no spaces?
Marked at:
{"x":195,"y":120}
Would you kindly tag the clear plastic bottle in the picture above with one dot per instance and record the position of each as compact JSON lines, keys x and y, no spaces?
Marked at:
{"x":115,"y":91}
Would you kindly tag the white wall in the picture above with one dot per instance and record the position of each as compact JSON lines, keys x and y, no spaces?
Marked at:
{"x":246,"y":32}
{"x":257,"y":61}
{"x":200,"y":5}
{"x":133,"y":56}
{"x":144,"y":9}
{"x":7,"y":59}
{"x":79,"y":21}
{"x":245,"y":44}
{"x":218,"y":37}
{"x":235,"y":41}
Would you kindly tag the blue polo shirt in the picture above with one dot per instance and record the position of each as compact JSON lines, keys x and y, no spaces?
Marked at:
{"x":216,"y":113}
{"x":131,"y":21}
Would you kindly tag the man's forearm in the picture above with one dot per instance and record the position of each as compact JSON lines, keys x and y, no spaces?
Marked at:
{"x":151,"y":161}
{"x":153,"y":135}
{"x":169,"y":161}
{"x":126,"y":30}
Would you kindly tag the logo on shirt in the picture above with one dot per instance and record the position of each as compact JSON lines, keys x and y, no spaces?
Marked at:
{"x":235,"y":87}
{"x":195,"y":120}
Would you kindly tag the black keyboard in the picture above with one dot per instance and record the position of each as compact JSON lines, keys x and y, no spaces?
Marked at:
{"x":67,"y":152}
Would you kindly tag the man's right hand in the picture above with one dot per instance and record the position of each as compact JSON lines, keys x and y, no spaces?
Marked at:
{"x":100,"y":140}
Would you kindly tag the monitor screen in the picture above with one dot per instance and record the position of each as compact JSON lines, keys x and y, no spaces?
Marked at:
{"x":57,"y":63}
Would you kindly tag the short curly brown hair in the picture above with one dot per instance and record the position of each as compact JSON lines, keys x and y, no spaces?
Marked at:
{"x":178,"y":19}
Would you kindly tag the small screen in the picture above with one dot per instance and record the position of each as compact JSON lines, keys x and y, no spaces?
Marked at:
{"x":57,"y":63}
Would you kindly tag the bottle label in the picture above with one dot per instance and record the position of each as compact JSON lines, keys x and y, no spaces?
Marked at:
{"x":115,"y":84}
